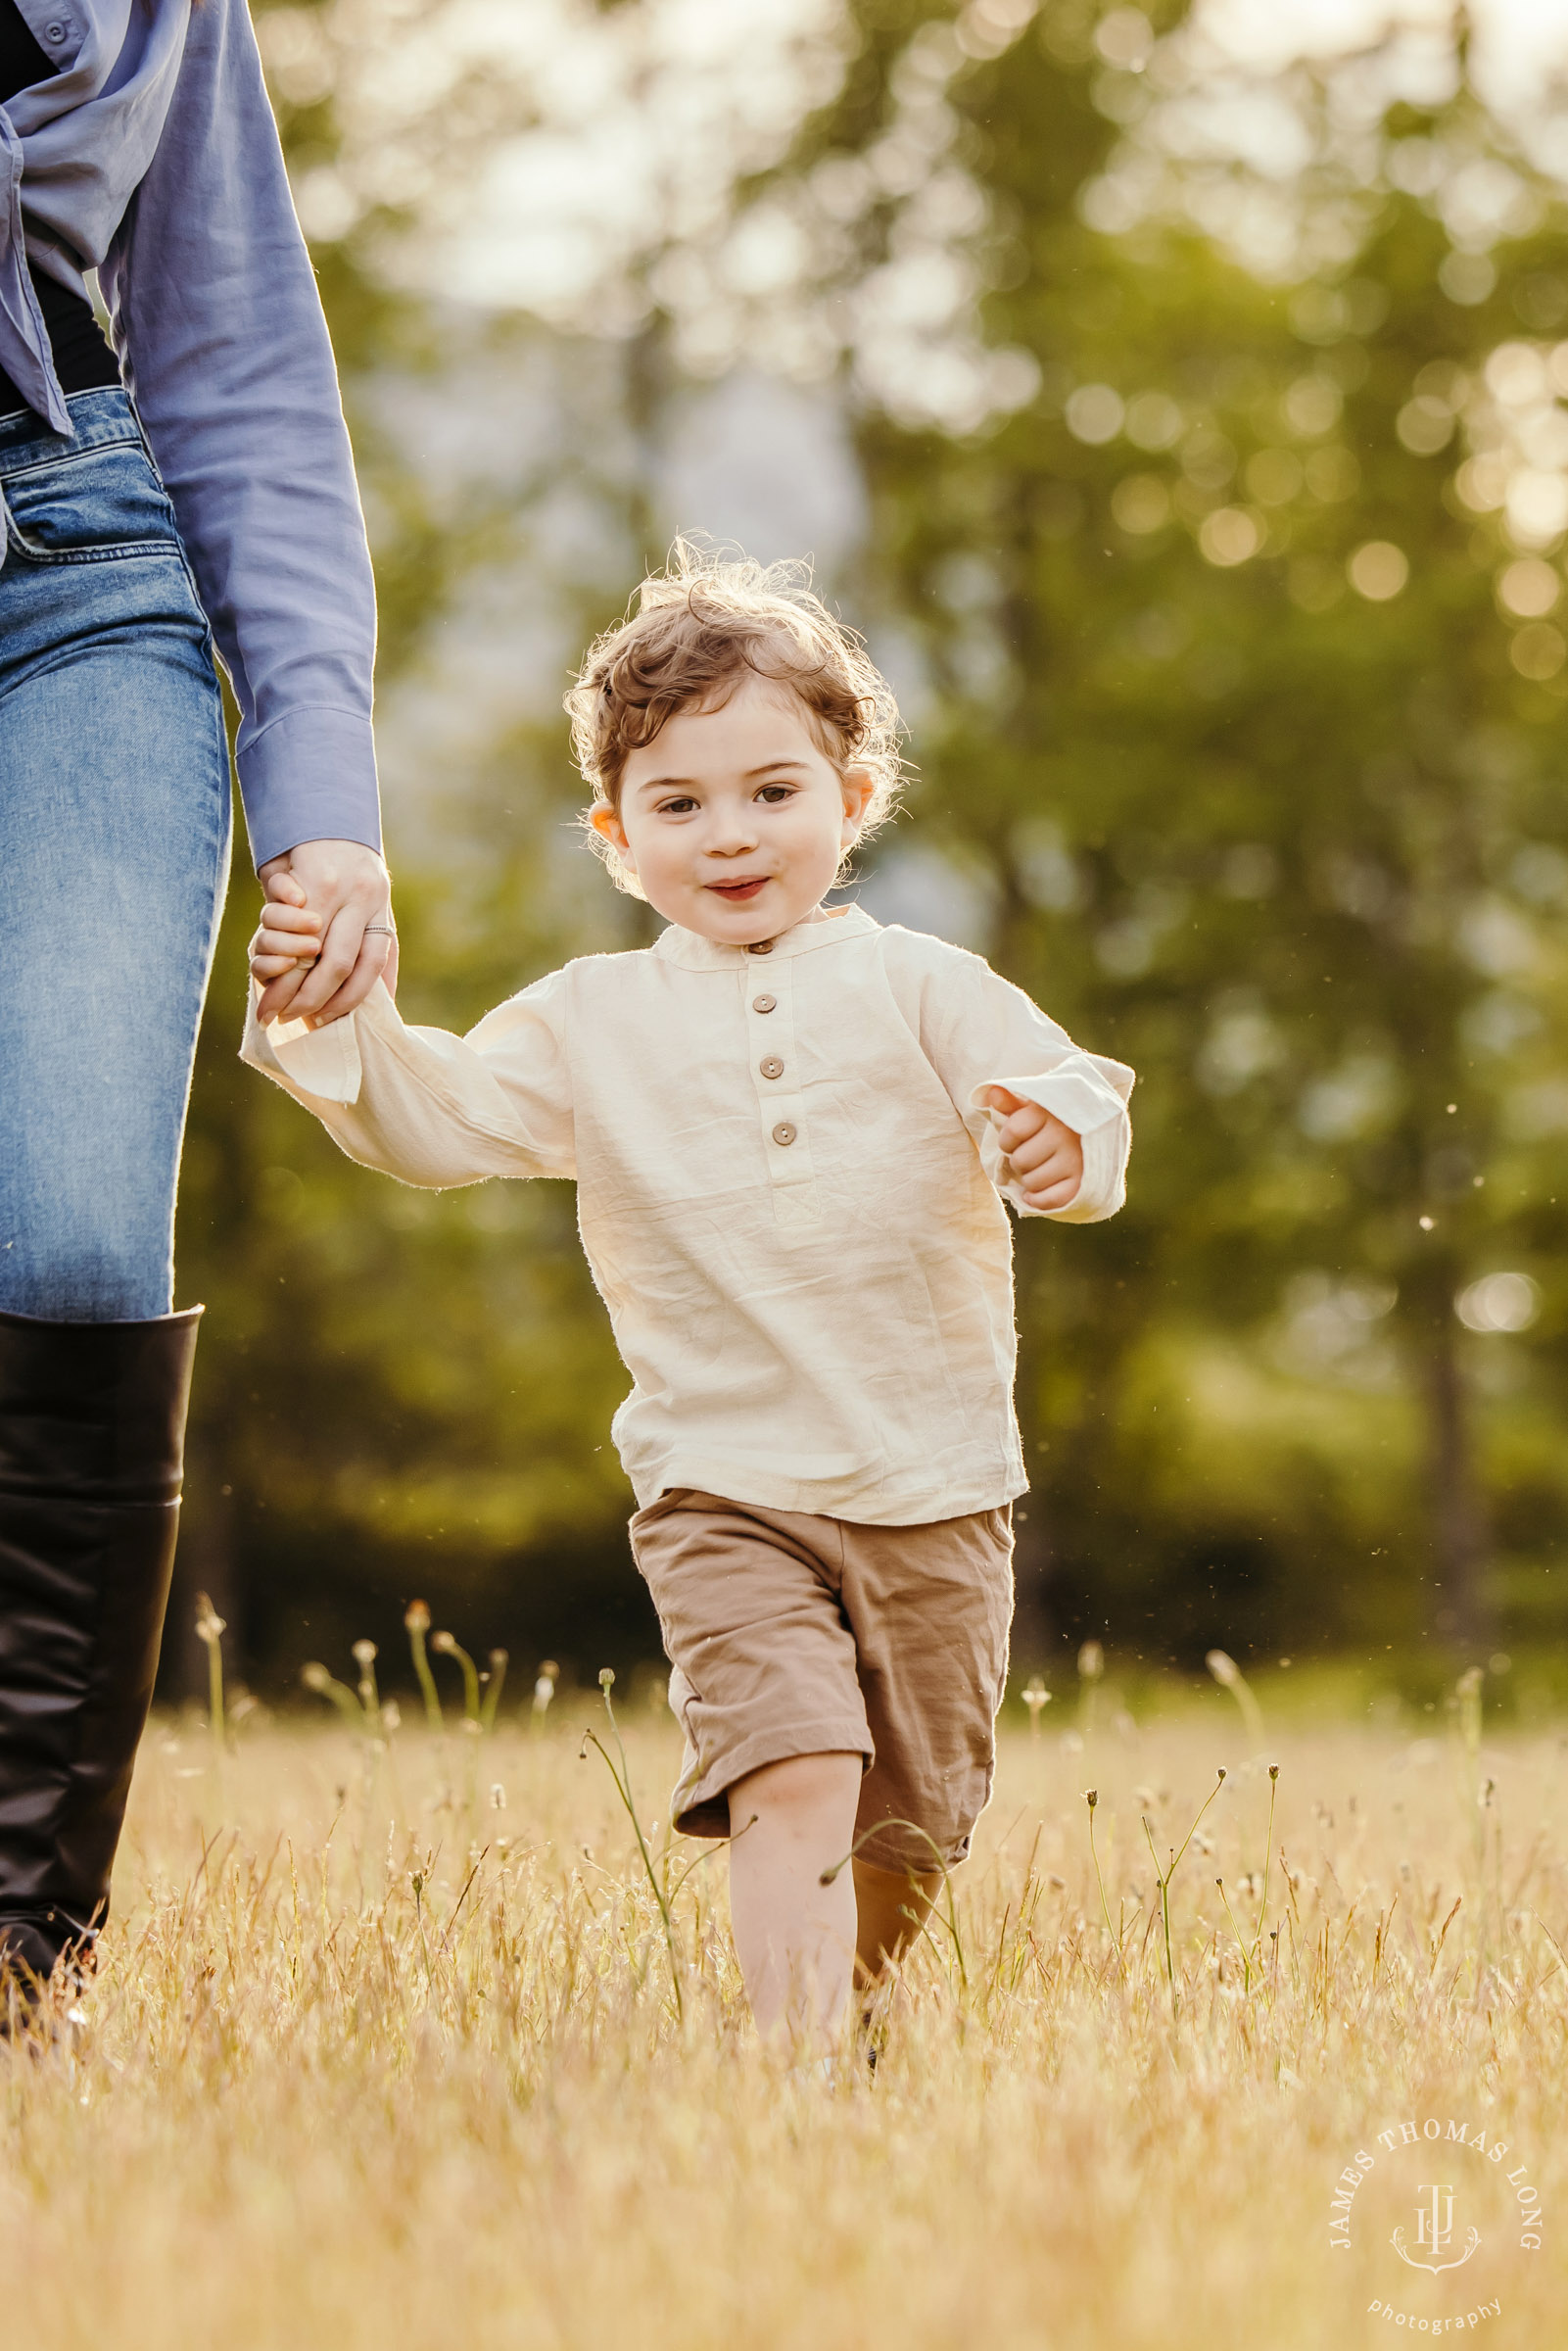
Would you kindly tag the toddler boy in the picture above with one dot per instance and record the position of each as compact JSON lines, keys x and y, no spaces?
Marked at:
{"x":791,"y":1131}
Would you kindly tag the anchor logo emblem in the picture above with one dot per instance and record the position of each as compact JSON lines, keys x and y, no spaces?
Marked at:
{"x":1434,"y":2233}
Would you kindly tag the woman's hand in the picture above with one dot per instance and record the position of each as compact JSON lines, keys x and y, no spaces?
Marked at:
{"x":1047,"y":1158}
{"x":318,"y":967}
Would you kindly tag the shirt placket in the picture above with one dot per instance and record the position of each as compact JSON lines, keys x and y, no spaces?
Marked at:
{"x":767,"y":984}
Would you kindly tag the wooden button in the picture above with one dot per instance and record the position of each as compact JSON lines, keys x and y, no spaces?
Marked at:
{"x":764,"y":1004}
{"x":784,"y":1134}
{"x":771,"y":1066}
{"x":764,"y":946}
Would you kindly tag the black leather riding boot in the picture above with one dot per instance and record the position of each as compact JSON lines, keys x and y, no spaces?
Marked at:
{"x":92,"y":1429}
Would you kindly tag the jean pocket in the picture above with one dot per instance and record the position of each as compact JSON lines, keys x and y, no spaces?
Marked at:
{"x":92,"y":507}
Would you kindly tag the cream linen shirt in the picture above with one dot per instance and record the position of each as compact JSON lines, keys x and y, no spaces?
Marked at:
{"x":786,"y":1185}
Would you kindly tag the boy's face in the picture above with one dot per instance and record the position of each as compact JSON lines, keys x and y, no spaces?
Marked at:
{"x":733,"y":819}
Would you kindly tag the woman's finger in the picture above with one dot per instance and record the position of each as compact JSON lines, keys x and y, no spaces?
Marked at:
{"x":376,"y":953}
{"x":277,"y":996}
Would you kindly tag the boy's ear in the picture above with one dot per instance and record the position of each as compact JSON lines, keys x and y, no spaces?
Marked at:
{"x":607,"y":825}
{"x":858,"y":785}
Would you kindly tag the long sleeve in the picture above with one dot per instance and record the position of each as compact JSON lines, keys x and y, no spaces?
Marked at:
{"x":435,"y":1110}
{"x":979,"y":1031}
{"x":223,"y":344}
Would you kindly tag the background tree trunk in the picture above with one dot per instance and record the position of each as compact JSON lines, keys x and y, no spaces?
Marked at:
{"x":1459,"y":1614}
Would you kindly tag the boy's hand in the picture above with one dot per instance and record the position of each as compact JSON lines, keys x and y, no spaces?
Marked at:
{"x":288,"y":947}
{"x":1047,"y":1157}
{"x":288,"y":937}
{"x":353,"y":945}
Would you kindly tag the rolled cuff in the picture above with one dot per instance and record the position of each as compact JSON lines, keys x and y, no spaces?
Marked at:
{"x":1102,"y":1186}
{"x":311,"y":776}
{"x":322,"y":1063}
{"x":1089,"y":1094}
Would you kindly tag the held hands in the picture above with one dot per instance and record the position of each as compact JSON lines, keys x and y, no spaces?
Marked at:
{"x":325,"y":935}
{"x":1047,"y":1157}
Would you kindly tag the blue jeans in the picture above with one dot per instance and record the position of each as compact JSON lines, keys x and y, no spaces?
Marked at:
{"x":113,"y":858}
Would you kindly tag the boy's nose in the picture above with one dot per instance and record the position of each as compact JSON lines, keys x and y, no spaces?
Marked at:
{"x":734,"y":838}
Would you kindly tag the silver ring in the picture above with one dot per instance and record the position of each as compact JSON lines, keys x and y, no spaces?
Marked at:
{"x":381,"y":930}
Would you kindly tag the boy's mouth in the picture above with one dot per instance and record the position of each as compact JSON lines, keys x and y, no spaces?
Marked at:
{"x":738,"y":892}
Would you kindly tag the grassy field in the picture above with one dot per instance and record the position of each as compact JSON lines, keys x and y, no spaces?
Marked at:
{"x":390,"y":2047}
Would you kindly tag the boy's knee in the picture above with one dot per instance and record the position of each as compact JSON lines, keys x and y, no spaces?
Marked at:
{"x":796,"y":1788}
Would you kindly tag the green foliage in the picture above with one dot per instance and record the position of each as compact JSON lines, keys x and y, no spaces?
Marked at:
{"x":1295,"y":852}
{"x":1296,"y":848}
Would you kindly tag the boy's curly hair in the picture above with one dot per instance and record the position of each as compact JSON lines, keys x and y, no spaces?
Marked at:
{"x":699,"y":627}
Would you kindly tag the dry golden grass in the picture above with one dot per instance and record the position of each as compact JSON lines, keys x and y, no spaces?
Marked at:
{"x":341,"y":2085}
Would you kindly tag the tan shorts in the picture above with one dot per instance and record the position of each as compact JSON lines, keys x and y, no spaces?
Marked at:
{"x":793,"y":1635}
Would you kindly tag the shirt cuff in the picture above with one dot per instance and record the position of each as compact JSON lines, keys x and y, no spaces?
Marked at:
{"x":1089,"y":1094}
{"x":311,"y":776}
{"x":324,"y":1062}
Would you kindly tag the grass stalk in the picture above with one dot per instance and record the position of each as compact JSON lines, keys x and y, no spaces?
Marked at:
{"x":1229,"y":1675}
{"x":209,"y":1630}
{"x":1091,"y":1799}
{"x":1162,"y":1878}
{"x":621,"y":1774}
{"x":416,"y":1622}
{"x":951,"y":1920}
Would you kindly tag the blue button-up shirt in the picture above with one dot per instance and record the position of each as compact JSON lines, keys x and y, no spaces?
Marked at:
{"x":151,"y":155}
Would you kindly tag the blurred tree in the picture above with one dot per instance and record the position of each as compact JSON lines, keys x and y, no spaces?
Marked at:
{"x":1229,"y":605}
{"x":398,"y":1392}
{"x":1245,"y":704}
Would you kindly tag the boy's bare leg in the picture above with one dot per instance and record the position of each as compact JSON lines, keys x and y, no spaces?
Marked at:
{"x":795,"y":1935}
{"x":891,"y":1907}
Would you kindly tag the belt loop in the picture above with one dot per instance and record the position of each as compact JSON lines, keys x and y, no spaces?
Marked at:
{"x":5,"y":526}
